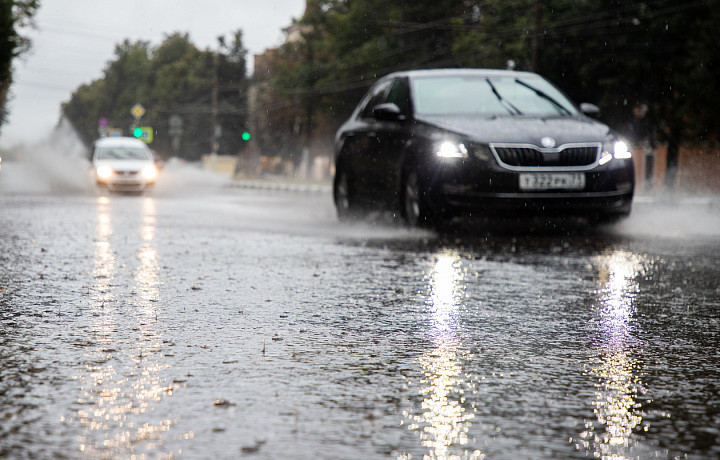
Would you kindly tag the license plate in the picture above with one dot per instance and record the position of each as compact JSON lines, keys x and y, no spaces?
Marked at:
{"x":552,"y":181}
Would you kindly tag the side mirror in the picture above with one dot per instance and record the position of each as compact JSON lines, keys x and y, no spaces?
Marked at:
{"x":590,"y":109}
{"x":388,"y":112}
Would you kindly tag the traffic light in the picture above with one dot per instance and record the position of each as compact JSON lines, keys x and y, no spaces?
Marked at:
{"x":144,"y":133}
{"x":245,"y":136}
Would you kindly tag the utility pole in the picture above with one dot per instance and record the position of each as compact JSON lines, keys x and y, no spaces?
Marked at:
{"x":214,"y":110}
{"x":535,"y":66}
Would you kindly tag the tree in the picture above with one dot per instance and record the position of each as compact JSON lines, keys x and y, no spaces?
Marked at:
{"x":611,"y":52}
{"x":347,"y":45}
{"x":14,"y":15}
{"x":182,"y":87}
{"x":658,"y":52}
{"x":232,"y":92}
{"x":174,"y":79}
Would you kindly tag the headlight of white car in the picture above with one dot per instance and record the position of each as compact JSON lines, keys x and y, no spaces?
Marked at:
{"x":103,"y":172}
{"x":149,"y":172}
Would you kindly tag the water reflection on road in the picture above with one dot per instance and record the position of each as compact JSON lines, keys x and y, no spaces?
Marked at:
{"x":221,"y":328}
{"x":446,"y":416}
{"x":121,"y":383}
{"x":614,"y":363}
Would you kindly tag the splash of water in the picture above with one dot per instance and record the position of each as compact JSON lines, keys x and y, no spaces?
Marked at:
{"x":56,"y":164}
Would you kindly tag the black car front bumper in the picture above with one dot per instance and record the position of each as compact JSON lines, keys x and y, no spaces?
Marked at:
{"x":608,"y":191}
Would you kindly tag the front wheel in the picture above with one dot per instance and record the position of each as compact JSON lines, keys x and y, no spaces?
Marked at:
{"x":344,"y":203}
{"x":415,"y":207}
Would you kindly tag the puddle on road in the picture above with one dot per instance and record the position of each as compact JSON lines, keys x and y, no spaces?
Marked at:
{"x":174,"y":337}
{"x":122,"y":384}
{"x":612,"y":275}
{"x":614,"y":362}
{"x":446,"y":417}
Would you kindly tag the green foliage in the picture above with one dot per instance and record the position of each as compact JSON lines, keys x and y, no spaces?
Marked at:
{"x":611,"y":52}
{"x":14,"y":15}
{"x":174,"y":78}
{"x":656,"y":52}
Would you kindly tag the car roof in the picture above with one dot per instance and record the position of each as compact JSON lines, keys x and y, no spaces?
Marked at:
{"x":119,"y":142}
{"x":460,"y":72}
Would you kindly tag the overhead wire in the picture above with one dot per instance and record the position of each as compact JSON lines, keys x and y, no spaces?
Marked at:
{"x":584,"y":25}
{"x":594,"y":25}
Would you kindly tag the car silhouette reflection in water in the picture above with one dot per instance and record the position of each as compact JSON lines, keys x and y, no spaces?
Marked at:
{"x":446,"y":416}
{"x":119,"y":388}
{"x":614,"y":364}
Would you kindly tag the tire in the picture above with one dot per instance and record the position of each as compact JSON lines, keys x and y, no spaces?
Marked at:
{"x":414,"y":204}
{"x":342,"y":195}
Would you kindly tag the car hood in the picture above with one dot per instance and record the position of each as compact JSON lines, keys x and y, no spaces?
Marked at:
{"x":123,"y":165}
{"x":526,"y":130}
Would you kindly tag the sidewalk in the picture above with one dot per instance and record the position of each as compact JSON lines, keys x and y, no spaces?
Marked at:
{"x":677,"y":198}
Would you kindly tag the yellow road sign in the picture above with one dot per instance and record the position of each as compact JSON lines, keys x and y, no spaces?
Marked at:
{"x":137,"y":111}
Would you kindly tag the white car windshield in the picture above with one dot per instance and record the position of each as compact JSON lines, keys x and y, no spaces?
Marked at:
{"x":488,"y":96}
{"x":122,"y":153}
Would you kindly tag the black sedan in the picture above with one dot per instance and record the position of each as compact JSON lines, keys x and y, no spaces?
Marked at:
{"x":435,"y":144}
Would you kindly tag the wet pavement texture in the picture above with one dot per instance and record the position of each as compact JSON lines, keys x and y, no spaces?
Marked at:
{"x":250,"y":323}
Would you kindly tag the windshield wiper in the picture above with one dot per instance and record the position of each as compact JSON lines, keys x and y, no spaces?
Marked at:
{"x":545,"y":96}
{"x":505,"y":103}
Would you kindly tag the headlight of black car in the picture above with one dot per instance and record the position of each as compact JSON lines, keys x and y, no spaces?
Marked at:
{"x":450,"y":149}
{"x":617,"y":150}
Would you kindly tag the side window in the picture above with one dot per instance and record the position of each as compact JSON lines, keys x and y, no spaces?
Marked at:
{"x":377,"y":97}
{"x":399,"y":95}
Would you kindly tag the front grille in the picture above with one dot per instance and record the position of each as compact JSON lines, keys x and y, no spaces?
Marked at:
{"x":127,"y":173}
{"x":526,"y":155}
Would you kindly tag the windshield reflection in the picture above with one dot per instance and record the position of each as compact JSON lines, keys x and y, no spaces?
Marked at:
{"x":614,"y":364}
{"x":488,"y":96}
{"x":118,"y":386}
{"x":445,"y":416}
{"x":122,"y":153}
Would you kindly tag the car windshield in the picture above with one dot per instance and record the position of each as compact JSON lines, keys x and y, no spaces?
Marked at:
{"x":488,"y":96}
{"x":122,"y":153}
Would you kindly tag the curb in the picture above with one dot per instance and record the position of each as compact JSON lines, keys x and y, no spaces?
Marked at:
{"x":703,"y":200}
{"x":304,"y":187}
{"x":281,"y":186}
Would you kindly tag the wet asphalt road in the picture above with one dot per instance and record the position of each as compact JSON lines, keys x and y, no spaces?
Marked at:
{"x":220,"y":322}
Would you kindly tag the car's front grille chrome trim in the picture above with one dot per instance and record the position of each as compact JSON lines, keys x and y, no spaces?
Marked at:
{"x":529,"y":157}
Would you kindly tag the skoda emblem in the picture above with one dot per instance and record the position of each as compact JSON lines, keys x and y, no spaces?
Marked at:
{"x":547,"y":142}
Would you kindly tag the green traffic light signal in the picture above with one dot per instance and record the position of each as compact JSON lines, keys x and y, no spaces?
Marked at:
{"x":246,"y":136}
{"x":137,"y":132}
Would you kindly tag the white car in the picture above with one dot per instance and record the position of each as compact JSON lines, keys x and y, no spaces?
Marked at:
{"x":123,"y":164}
